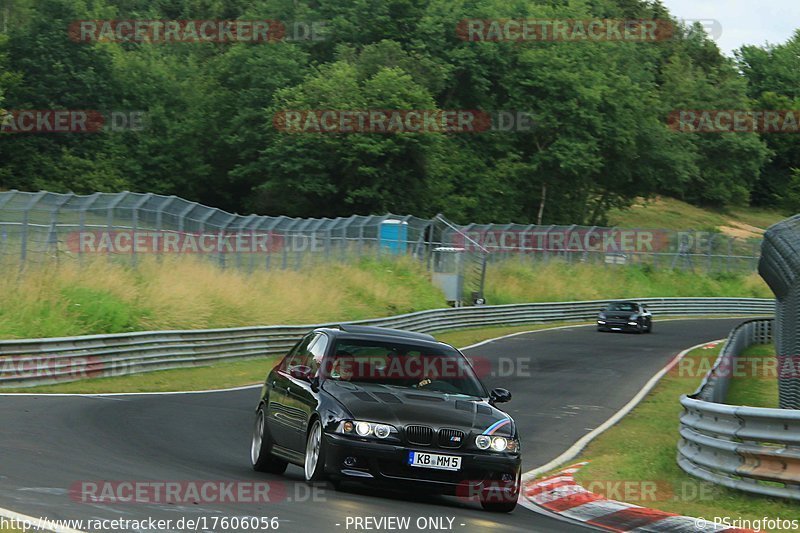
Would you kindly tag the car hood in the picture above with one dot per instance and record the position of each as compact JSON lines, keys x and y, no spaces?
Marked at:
{"x":400,"y":407}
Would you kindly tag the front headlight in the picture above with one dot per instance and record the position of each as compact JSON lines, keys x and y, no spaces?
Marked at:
{"x":382,"y":431}
{"x":359,"y":428}
{"x":497,"y":444}
{"x":483,"y":442}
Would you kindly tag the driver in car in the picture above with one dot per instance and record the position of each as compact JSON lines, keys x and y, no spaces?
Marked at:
{"x":343,"y":366}
{"x":429,"y":372}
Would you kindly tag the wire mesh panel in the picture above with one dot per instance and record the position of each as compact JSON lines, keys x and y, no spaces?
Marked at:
{"x":39,"y":227}
{"x":700,"y":251}
{"x":35,"y":227}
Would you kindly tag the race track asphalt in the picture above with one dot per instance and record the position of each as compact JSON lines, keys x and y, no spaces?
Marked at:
{"x":565,"y":383}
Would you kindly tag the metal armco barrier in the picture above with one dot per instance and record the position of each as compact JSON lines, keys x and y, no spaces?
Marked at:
{"x":746,"y":448}
{"x":714,"y":387}
{"x":25,"y":363}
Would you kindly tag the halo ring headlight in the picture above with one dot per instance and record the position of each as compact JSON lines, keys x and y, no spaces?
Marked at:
{"x":499,"y":444}
{"x":483,"y":442}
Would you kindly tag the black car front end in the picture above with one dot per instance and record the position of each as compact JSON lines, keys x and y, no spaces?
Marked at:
{"x":618,"y":322}
{"x":388,"y":408}
{"x":426,"y":458}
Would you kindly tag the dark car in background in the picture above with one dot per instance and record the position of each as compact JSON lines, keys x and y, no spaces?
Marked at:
{"x":387,"y":407}
{"x":625,"y":316}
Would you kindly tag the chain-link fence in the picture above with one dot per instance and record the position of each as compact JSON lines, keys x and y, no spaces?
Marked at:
{"x":702,"y":251}
{"x":43,"y":226}
{"x":780,"y":267}
{"x":37,"y":227}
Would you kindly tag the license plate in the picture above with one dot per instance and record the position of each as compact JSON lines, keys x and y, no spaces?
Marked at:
{"x":434,"y":460}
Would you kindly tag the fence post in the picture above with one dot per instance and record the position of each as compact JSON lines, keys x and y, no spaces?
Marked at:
{"x":5,"y":198}
{"x":110,"y":216}
{"x":136,"y":207}
{"x":223,"y":231}
{"x":25,"y":222}
{"x":160,"y":222}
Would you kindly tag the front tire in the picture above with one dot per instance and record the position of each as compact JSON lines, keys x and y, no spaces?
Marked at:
{"x":314,"y":465}
{"x":260,"y":448}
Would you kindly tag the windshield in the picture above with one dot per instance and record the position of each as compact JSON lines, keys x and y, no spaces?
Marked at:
{"x":622,"y":306}
{"x":403,"y":365}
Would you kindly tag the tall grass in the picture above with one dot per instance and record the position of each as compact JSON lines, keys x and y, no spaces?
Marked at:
{"x":185,"y":293}
{"x":513,"y":281}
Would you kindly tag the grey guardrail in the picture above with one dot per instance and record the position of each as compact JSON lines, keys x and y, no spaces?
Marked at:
{"x":746,"y":448}
{"x":26,"y":363}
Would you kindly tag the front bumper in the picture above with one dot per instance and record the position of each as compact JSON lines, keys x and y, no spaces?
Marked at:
{"x":614,"y":325}
{"x":386,"y":464}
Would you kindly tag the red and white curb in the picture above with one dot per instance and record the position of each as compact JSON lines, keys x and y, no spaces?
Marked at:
{"x":562,"y":497}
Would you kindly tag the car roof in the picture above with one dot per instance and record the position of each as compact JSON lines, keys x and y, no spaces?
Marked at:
{"x":352,"y":331}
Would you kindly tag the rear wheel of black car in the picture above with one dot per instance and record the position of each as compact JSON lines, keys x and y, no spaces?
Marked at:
{"x":314,"y":465}
{"x":260,"y":448}
{"x":650,"y":327}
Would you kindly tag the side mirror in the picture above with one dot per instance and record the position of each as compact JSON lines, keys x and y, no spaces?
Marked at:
{"x":301,"y":372}
{"x":499,"y":396}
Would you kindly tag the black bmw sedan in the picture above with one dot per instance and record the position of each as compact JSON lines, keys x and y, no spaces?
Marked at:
{"x":377,"y":405}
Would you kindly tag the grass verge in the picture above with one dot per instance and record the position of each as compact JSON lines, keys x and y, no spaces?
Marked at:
{"x":515,"y":281}
{"x":669,"y":213}
{"x":220,"y":376}
{"x":754,"y":381}
{"x":647,"y":474}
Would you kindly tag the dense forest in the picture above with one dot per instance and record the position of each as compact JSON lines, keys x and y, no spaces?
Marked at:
{"x":600,"y":137}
